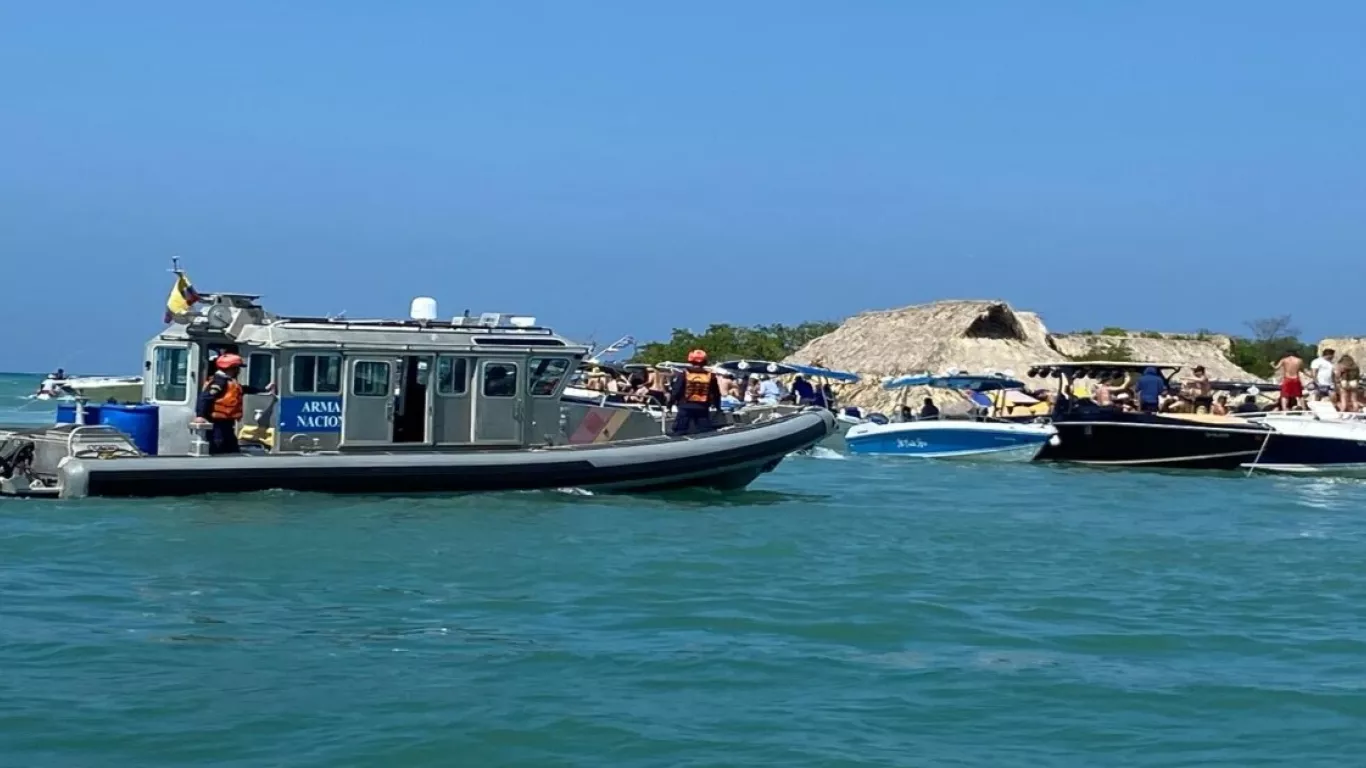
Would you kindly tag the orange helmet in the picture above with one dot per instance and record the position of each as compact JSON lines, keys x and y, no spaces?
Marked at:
{"x":698,"y":357}
{"x":226,"y":361}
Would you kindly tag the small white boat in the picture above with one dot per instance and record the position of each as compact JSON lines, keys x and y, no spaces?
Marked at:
{"x":977,"y":437}
{"x":96,"y":389}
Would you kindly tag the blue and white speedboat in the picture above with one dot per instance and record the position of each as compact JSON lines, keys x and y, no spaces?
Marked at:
{"x":978,"y":437}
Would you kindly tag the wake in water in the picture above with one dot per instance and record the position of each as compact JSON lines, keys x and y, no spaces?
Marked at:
{"x":821,"y":452}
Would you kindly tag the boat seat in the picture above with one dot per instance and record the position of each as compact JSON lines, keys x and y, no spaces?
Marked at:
{"x":1324,"y":409}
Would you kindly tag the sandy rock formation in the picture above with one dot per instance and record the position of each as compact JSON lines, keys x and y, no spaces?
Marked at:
{"x":980,"y":337}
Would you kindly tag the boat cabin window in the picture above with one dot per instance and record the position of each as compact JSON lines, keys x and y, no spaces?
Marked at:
{"x":452,"y":376}
{"x":316,"y":374}
{"x":260,"y":370}
{"x":500,"y":380}
{"x":546,"y":374}
{"x":171,"y":367}
{"x":212,"y":351}
{"x":370,"y":379}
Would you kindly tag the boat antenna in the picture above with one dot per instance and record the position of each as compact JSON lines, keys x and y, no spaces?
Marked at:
{"x":175,"y":266}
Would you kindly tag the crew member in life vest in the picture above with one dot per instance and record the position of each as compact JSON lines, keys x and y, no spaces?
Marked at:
{"x":220,"y":404}
{"x":695,"y":393}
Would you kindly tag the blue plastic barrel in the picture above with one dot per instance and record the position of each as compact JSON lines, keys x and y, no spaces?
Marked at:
{"x":66,"y":413}
{"x":139,"y":422}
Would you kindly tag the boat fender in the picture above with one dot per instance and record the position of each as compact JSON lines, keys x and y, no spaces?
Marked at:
{"x":1055,"y":441}
{"x":73,"y":479}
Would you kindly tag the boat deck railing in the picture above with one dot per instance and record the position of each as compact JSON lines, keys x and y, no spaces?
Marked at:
{"x":984,"y":417}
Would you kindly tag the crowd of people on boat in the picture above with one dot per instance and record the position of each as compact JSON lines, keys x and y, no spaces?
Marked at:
{"x":651,"y":384}
{"x":1150,"y":392}
{"x":1329,"y":378}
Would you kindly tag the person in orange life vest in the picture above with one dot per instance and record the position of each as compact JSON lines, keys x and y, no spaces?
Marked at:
{"x":694,"y":394}
{"x":220,"y":404}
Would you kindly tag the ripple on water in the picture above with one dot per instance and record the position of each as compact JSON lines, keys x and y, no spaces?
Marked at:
{"x":859,"y":612}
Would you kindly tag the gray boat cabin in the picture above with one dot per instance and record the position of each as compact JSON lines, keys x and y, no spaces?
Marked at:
{"x":366,"y":385}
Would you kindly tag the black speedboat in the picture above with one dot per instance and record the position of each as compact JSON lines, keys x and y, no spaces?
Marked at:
{"x":1108,"y":436}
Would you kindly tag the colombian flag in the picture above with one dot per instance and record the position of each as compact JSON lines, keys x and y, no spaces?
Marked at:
{"x":183,"y":296}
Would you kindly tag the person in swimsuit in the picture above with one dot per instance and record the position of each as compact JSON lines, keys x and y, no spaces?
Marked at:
{"x":1199,"y":389}
{"x":1347,"y":380}
{"x":1101,"y":395}
{"x":1220,"y":405}
{"x":1292,"y":389}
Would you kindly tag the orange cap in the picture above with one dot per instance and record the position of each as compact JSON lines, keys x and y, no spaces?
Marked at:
{"x":227,"y":361}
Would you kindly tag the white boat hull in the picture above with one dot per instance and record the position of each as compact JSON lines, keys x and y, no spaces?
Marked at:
{"x":96,"y":389}
{"x":1331,"y":446}
{"x":952,"y":439}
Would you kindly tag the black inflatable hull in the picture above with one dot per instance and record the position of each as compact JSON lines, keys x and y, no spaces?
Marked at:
{"x":727,"y":459}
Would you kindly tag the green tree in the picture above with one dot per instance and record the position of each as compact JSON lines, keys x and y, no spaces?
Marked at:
{"x":730,"y":342}
{"x":1270,"y":340}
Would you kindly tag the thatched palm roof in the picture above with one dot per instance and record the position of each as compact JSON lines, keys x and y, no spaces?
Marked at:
{"x":977,"y":337}
{"x":1356,"y":347}
{"x":1185,"y":351}
{"x":972,"y":336}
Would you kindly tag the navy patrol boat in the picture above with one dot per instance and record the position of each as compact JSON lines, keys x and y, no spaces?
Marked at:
{"x":379,"y":406}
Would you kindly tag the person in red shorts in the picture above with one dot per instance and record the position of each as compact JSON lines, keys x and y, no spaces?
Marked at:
{"x":1292,"y":389}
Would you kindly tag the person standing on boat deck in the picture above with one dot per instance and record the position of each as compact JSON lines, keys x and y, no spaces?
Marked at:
{"x":1201,"y":390}
{"x":1348,"y":380}
{"x":770,"y":391}
{"x":1101,"y":394}
{"x":220,"y":404}
{"x":1292,"y":389}
{"x":694,"y":395}
{"x":1149,"y":389}
{"x":803,"y":391}
{"x":1322,"y":370}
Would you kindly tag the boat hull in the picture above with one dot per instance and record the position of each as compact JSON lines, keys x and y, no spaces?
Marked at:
{"x":96,"y":389}
{"x":1306,"y":446}
{"x":979,"y":441}
{"x":1138,"y":440}
{"x":727,"y":459}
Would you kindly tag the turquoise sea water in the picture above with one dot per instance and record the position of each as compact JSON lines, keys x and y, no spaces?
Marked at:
{"x":840,"y":613}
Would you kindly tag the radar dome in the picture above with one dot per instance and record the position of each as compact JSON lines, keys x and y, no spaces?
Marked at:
{"x":423,"y":308}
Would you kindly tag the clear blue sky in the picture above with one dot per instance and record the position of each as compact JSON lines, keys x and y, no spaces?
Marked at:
{"x":618,"y":167}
